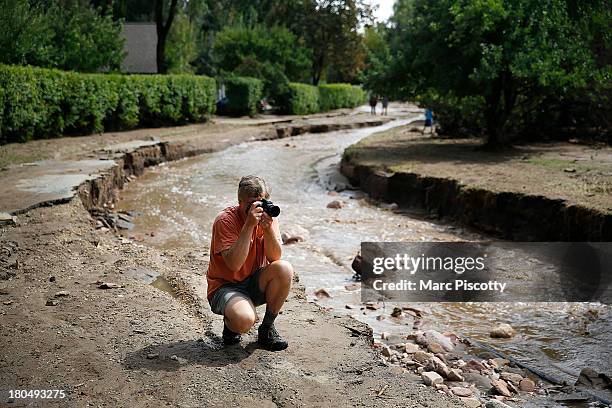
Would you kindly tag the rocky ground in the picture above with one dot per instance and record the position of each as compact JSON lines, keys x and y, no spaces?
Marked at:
{"x":114,"y":323}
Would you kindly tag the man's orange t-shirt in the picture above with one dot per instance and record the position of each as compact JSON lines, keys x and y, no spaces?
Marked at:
{"x":226,"y":230}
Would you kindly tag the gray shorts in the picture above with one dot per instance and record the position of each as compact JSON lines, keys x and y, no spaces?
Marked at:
{"x":247,"y":289}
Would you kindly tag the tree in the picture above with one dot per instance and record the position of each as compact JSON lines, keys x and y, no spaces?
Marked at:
{"x":272,"y":54}
{"x":330,"y":28}
{"x":509,"y":55}
{"x":163,"y":28}
{"x":68,"y":35}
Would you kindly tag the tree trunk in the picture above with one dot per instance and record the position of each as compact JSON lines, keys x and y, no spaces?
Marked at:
{"x":162,"y":32}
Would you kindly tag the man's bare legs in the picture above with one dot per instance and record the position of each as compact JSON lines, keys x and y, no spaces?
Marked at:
{"x":275,"y":282}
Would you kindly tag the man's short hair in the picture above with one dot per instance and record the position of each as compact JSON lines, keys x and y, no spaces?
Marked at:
{"x":252,"y":186}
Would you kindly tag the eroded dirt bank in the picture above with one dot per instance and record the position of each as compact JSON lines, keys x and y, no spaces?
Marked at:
{"x":540,"y":193}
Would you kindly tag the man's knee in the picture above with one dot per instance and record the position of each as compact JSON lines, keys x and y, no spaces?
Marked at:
{"x":282,"y":270}
{"x":241,"y":322}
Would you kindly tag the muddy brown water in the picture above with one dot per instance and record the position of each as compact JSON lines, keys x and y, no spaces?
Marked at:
{"x":179,"y":201}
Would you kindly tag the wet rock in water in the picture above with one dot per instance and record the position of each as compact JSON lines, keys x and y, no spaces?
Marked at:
{"x":527,"y":385}
{"x":52,"y":302}
{"x":322,"y":294}
{"x":511,"y":377}
{"x":432,"y":336}
{"x":501,"y":388}
{"x":455,"y":375}
{"x":496,"y":404}
{"x":411,"y":348}
{"x":62,"y":293}
{"x":336,"y":205}
{"x":592,"y":379}
{"x":503,"y":331}
{"x":295,"y":234}
{"x":371,"y":306}
{"x":481,"y":381}
{"x":397,"y":312}
{"x":431,"y":378}
{"x":356,"y":265}
{"x":352,"y":286}
{"x":471,"y":402}
{"x":461,"y":391}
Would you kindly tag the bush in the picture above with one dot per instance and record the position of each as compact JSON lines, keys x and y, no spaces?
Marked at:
{"x":38,"y":103}
{"x":243,"y":94}
{"x":336,"y":96}
{"x":301,"y":99}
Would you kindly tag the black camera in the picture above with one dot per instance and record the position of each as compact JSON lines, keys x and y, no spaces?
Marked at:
{"x":269,"y":208}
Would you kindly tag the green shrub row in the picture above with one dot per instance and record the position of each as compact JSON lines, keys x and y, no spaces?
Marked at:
{"x":304,"y":99}
{"x":42,"y":103}
{"x":243,"y":94}
{"x":336,"y":96}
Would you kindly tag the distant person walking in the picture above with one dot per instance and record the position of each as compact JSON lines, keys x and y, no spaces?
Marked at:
{"x":385,"y":105}
{"x":373,"y":103}
{"x":428,"y":121}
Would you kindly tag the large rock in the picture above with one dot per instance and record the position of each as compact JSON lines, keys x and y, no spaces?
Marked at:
{"x":461,"y":391}
{"x":471,"y":402}
{"x":455,"y":375}
{"x":411,"y":348}
{"x":527,"y":385}
{"x":421,"y":356}
{"x":511,"y":377}
{"x":437,"y":365}
{"x":431,"y":378}
{"x":295,"y":233}
{"x":503,"y":331}
{"x":501,"y":387}
{"x":592,"y":379}
{"x":481,"y":381}
{"x":431,"y":336}
{"x":336,"y":205}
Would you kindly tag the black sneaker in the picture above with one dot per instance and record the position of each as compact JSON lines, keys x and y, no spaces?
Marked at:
{"x":270,"y":339}
{"x":230,"y":337}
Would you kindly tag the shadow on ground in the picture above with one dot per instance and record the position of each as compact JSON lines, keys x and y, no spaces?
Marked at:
{"x":208,"y":351}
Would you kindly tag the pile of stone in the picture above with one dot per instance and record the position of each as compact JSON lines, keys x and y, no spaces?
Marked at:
{"x":442,"y":362}
{"x":107,"y":219}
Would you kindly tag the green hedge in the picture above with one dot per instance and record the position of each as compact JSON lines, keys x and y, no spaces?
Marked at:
{"x":336,"y":96}
{"x":242,"y":94}
{"x":304,"y":99}
{"x":41,"y":103}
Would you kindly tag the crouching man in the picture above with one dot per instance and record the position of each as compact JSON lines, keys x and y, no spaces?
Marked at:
{"x":246,"y":269}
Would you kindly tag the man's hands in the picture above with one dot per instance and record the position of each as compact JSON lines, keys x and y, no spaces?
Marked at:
{"x":256,"y":215}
